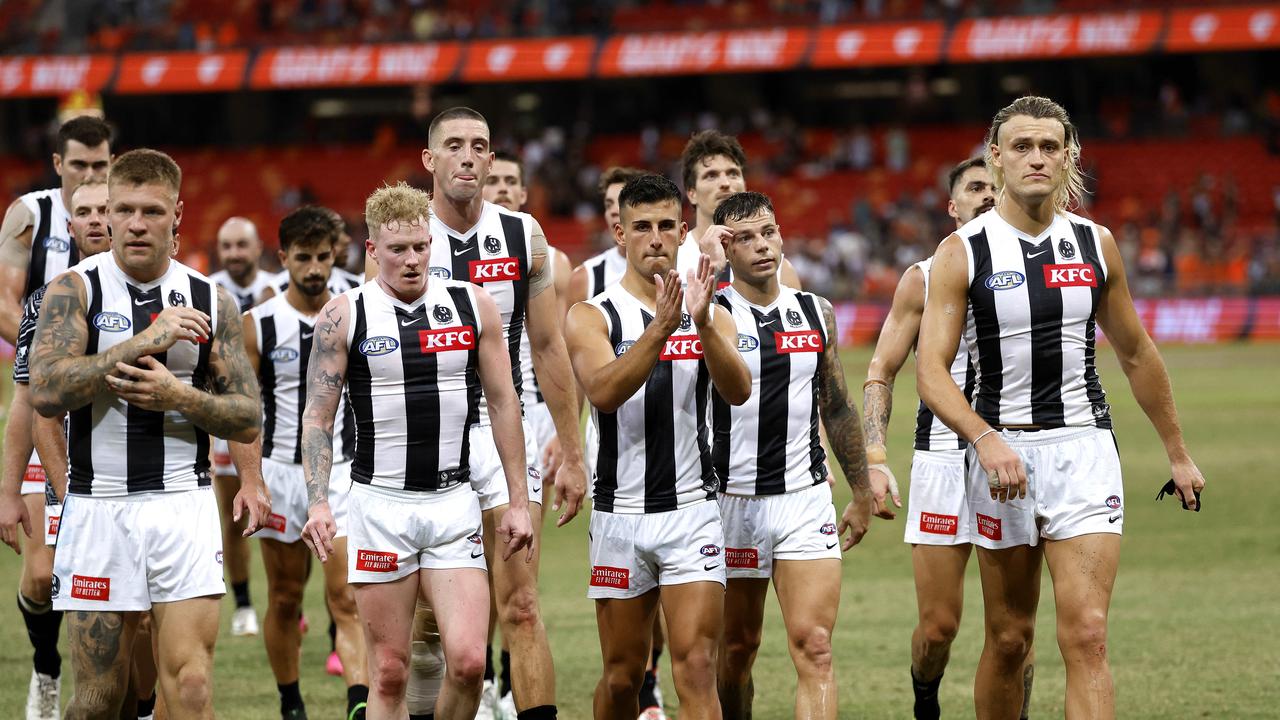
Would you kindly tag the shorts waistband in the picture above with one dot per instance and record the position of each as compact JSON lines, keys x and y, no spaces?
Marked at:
{"x":139,"y":496}
{"x":409,"y":495}
{"x":949,"y":457}
{"x":1047,"y":436}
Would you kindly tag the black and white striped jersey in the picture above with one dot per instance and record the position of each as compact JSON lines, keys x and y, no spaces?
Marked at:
{"x":26,"y":335}
{"x":413,"y":384}
{"x":770,"y":445}
{"x":1031,"y":329}
{"x":284,"y":339}
{"x":495,"y":254}
{"x":115,"y":448}
{"x":931,"y":432}
{"x":340,"y":281}
{"x":53,"y":250}
{"x":654,"y":455}
{"x":604,"y":270}
{"x":247,"y":296}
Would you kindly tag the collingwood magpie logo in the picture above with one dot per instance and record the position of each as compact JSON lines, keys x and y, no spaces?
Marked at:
{"x":492,"y":245}
{"x":793,"y":318}
{"x":685,"y":321}
{"x":442,"y":314}
{"x":177,"y":299}
{"x":1066,"y":249}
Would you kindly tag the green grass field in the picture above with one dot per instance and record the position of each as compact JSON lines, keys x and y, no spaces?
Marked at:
{"x":1192,"y":625}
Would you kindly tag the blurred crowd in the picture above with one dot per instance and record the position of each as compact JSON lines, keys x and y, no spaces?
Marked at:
{"x":68,"y":26}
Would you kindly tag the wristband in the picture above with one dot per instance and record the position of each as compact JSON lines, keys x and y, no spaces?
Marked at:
{"x":979,"y":438}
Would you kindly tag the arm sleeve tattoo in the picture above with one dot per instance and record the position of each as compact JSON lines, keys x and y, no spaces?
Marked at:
{"x":844,"y":432}
{"x":326,"y":375}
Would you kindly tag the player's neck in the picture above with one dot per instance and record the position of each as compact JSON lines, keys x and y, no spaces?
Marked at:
{"x":247,"y":281}
{"x":305,"y":304}
{"x":642,"y":288}
{"x":457,"y":215}
{"x":763,"y":294}
{"x":395,"y":294}
{"x":143,"y":276}
{"x":66,"y":194}
{"x":1029,"y":216}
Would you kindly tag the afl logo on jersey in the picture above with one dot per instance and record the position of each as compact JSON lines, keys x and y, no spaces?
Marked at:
{"x":793,"y":318}
{"x":622,"y":347}
{"x":439,"y":272}
{"x":746,"y":343}
{"x":492,"y":245}
{"x":177,"y":299}
{"x":1005,"y":280}
{"x":1066,"y":249}
{"x":284,"y":354}
{"x":380,"y":345}
{"x":111,"y":322}
{"x":56,"y":244}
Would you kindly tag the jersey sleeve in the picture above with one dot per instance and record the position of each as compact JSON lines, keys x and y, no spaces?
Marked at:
{"x":27,"y":334}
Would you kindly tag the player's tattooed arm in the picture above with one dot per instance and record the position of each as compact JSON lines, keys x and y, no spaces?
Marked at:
{"x":247,"y":457}
{"x":840,"y":417}
{"x":326,"y":375}
{"x":897,"y":338}
{"x":63,"y":378}
{"x":233,"y":409}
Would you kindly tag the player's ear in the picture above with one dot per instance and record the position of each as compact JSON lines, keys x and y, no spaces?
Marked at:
{"x":428,"y":162}
{"x":57,"y":164}
{"x":177,"y":215}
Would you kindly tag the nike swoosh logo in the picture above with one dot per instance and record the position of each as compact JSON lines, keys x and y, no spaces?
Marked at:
{"x":831,"y":546}
{"x":1114,"y":518}
{"x":538,"y":489}
{"x":711,"y":566}
{"x":477,"y":553}
{"x":1036,"y":255}
{"x":465,"y":249}
{"x":140,"y":303}
{"x":307,"y":336}
{"x":407,"y":323}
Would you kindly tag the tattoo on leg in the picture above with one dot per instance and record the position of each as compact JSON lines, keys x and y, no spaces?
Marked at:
{"x":1028,"y":674}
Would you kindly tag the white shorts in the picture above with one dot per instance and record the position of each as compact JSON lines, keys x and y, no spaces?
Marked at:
{"x":487,"y":478}
{"x":123,"y":554}
{"x":288,"y":487}
{"x":633,"y":554}
{"x":394,"y":533}
{"x":539,"y":431}
{"x":799,"y":525}
{"x":1073,"y":488}
{"x":937,"y":506}
{"x":33,"y":480}
{"x":222,"y":465}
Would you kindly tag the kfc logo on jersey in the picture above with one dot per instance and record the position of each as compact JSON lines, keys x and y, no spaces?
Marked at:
{"x":275,"y":522}
{"x":741,"y":557}
{"x":375,"y":561}
{"x":939,"y":524}
{"x":1080,"y":275}
{"x":463,"y":338}
{"x":683,"y":347}
{"x":85,"y":587}
{"x":610,"y":577}
{"x":484,"y":271}
{"x":798,"y":341}
{"x":989,"y":527}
